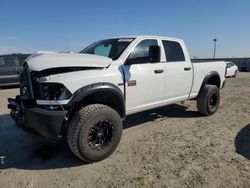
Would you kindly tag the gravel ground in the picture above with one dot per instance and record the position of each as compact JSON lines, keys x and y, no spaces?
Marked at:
{"x":168,"y":147}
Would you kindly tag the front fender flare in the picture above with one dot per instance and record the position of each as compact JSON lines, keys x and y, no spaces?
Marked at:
{"x":82,"y":92}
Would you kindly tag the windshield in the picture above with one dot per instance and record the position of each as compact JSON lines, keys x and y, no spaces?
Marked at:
{"x":111,"y":48}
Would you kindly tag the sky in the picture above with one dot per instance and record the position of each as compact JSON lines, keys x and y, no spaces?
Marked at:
{"x":27,"y":26}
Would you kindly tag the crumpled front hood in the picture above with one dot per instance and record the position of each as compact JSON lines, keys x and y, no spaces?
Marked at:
{"x":42,"y":61}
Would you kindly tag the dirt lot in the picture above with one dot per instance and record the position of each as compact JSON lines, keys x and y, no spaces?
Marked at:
{"x":169,"y":147}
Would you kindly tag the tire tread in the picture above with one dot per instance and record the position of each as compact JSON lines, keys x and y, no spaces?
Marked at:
{"x":202,"y":98}
{"x":75,"y":127}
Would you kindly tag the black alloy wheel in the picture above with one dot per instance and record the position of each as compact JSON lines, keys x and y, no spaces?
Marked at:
{"x":100,"y":135}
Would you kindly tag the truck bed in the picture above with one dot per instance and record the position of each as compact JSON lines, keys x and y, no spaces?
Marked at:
{"x":201,"y":70}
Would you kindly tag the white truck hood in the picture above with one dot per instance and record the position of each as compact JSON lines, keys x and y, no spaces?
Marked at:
{"x":47,"y":60}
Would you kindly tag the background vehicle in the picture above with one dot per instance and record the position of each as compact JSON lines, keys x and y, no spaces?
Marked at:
{"x":90,"y":93}
{"x":10,"y":68}
{"x":232,"y":69}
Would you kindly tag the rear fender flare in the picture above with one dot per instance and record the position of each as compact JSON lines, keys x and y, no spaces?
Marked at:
{"x":211,"y":78}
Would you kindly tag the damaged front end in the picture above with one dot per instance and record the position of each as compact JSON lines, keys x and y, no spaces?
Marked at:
{"x":46,"y":119}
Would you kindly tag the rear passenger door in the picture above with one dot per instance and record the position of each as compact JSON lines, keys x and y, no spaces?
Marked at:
{"x":179,"y":73}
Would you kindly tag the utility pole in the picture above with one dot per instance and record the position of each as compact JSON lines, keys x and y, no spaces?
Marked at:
{"x":215,"y":40}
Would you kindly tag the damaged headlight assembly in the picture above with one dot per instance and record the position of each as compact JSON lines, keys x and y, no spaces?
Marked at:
{"x":52,"y":91}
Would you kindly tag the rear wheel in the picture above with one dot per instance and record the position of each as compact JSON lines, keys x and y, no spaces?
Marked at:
{"x":94,"y":132}
{"x":208,"y":100}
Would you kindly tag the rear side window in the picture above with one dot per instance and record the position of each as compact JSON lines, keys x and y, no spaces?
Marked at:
{"x":173,"y":51}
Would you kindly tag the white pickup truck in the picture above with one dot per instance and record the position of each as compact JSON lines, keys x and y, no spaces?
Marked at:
{"x":85,"y":96}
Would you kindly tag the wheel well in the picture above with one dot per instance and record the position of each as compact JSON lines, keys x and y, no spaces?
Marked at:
{"x":214,"y":80}
{"x":108,"y":98}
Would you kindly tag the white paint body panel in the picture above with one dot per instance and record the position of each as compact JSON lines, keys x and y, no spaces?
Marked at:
{"x":151,"y":90}
{"x":203,"y":69}
{"x":150,"y":87}
{"x":178,"y":81}
{"x":39,"y":62}
{"x":78,"y":79}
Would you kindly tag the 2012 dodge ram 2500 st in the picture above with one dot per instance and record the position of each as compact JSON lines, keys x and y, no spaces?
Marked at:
{"x":85,"y":96}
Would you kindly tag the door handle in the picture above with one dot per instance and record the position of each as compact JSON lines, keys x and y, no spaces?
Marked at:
{"x":187,"y":68}
{"x":158,"y":71}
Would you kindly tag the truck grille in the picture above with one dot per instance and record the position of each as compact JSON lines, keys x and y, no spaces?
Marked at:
{"x":26,"y":89}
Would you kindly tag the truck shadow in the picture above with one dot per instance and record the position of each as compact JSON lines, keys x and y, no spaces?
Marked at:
{"x":9,"y":87}
{"x":242,"y":142}
{"x":25,"y":151}
{"x":171,"y":111}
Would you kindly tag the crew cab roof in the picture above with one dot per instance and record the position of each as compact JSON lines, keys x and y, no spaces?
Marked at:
{"x":149,"y":36}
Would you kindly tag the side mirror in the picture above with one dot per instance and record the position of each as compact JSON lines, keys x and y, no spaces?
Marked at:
{"x":155,"y":54}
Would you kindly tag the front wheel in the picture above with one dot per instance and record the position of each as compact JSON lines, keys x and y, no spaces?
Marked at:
{"x":208,"y":100}
{"x":94,"y":132}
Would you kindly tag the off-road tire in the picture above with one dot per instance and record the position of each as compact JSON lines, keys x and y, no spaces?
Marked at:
{"x":82,"y":124}
{"x":208,"y":100}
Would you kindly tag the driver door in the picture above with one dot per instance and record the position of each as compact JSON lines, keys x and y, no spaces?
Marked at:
{"x":144,"y":80}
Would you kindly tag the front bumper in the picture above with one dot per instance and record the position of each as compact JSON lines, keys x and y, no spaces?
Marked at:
{"x":47,"y":123}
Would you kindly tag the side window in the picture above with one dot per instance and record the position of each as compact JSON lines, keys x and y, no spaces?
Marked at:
{"x":7,"y":62}
{"x":173,"y":51}
{"x":229,"y":65}
{"x":141,"y":51}
{"x":2,"y":62}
